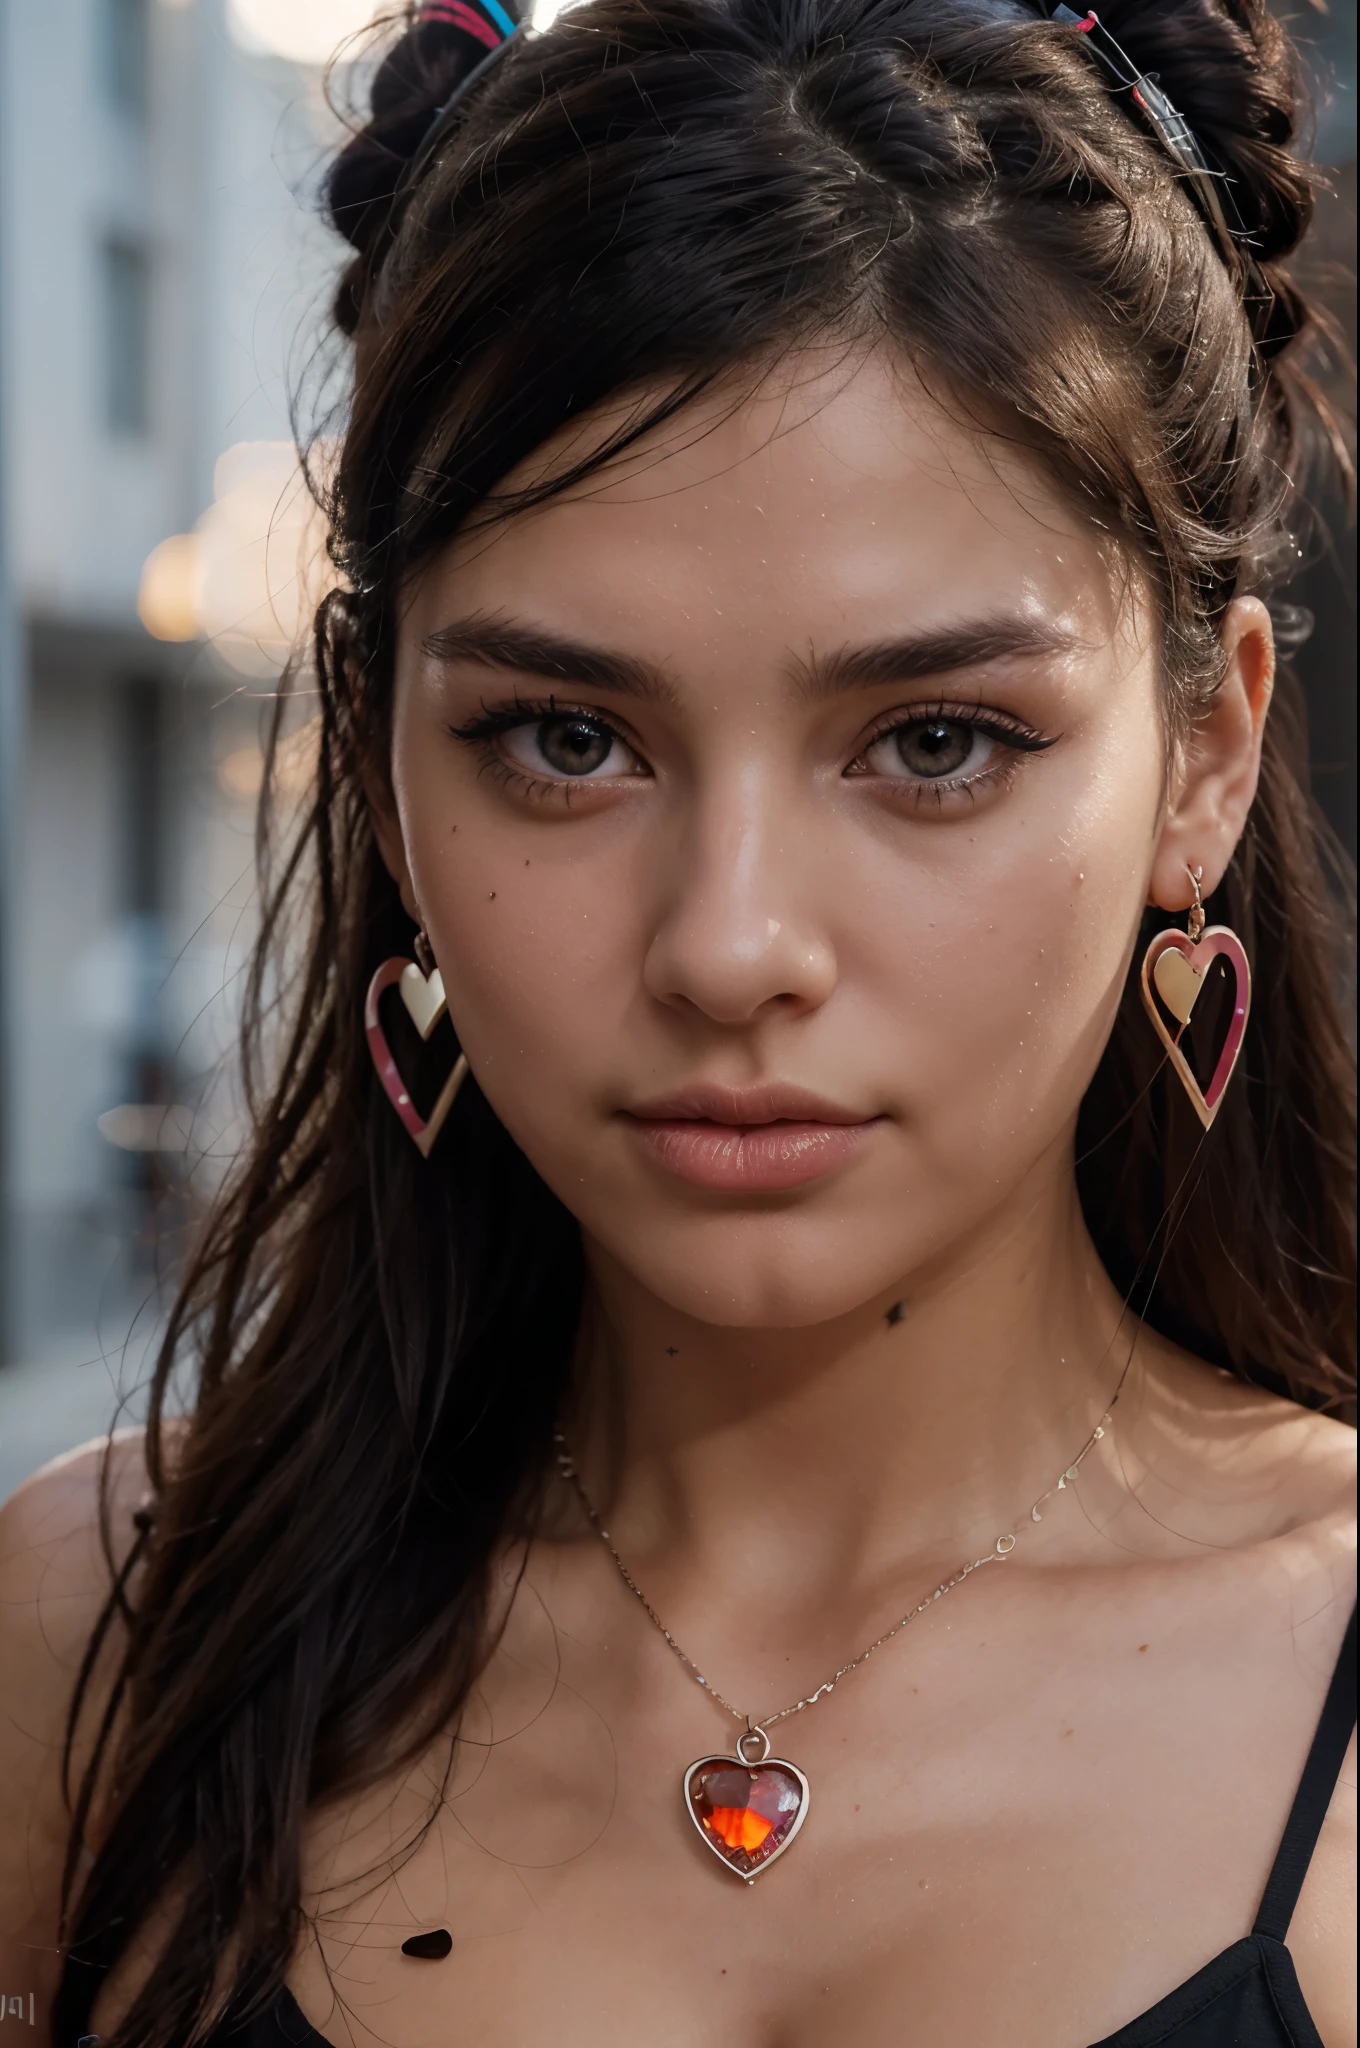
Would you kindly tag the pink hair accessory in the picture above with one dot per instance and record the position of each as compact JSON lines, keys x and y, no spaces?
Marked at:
{"x":458,"y":14}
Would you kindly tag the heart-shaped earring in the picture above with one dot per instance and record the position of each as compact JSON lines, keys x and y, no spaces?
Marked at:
{"x":1175,"y":965}
{"x":422,"y":993}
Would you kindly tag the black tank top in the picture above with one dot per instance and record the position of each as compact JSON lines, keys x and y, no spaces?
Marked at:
{"x":1248,"y":1997}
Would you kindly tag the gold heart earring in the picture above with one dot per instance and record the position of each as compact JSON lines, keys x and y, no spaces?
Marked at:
{"x":421,"y":986}
{"x":1175,"y":965}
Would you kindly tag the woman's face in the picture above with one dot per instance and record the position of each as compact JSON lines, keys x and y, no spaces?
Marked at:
{"x":781,"y":809}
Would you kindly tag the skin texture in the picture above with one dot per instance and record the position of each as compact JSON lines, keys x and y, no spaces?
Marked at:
{"x":1058,"y":1794}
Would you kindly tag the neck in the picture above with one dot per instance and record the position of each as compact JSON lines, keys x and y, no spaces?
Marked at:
{"x":898,"y":1436}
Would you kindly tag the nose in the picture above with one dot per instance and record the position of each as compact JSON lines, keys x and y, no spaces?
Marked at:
{"x":741,"y":935}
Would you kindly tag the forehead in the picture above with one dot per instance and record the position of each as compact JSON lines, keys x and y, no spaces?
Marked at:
{"x":828,"y":498}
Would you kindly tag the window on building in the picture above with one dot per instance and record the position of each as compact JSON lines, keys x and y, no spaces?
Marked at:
{"x":127,"y":336}
{"x":123,"y":55}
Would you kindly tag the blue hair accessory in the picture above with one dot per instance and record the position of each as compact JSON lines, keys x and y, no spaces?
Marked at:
{"x":491,"y":24}
{"x":484,"y":19}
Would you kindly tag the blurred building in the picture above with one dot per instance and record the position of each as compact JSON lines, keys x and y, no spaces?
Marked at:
{"x":162,"y":278}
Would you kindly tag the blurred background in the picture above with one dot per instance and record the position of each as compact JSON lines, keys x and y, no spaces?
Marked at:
{"x":164,"y":277}
{"x":163,"y":284}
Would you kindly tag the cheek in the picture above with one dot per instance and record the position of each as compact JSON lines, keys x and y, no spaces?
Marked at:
{"x":1013,"y":984}
{"x":538,"y":930}
{"x":541,"y":956}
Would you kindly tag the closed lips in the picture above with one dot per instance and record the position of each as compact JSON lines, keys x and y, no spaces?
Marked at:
{"x":760,"y":1140}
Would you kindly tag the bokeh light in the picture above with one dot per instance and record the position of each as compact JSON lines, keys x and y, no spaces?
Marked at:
{"x":305,"y":31}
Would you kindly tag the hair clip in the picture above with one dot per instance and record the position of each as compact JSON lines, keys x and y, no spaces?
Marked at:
{"x":1211,"y":189}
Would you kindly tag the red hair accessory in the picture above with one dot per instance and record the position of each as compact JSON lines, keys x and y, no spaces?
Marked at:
{"x":489,"y":23}
{"x":1212,"y":192}
{"x":486,"y":25}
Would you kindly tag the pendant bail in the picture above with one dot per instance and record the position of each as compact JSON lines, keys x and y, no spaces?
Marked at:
{"x":753,"y":1733}
{"x":1196,"y":923}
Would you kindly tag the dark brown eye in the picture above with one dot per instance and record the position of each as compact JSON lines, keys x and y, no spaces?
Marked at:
{"x":574,"y":746}
{"x":568,"y":746}
{"x":935,"y":746}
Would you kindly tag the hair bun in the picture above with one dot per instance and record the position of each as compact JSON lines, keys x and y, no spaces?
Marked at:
{"x":441,"y":45}
{"x":1230,"y":69}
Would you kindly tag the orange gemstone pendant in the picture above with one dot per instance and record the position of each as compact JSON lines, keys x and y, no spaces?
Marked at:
{"x":747,"y":1808}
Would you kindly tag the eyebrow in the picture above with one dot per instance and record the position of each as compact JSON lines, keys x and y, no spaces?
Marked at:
{"x":974,"y":643}
{"x":530,"y":650}
{"x":533,"y":650}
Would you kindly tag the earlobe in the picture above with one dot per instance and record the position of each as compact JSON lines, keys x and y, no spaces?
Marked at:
{"x":1221,"y":762}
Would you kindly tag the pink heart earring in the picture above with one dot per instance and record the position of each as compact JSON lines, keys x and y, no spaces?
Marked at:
{"x":1175,"y":965}
{"x":421,"y":986}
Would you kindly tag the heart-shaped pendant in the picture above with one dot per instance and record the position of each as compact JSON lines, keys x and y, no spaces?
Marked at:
{"x":746,"y":1813}
{"x":425,"y":1004}
{"x":1175,"y":966}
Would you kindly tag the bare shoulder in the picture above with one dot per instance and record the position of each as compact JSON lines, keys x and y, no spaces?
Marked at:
{"x":1256,"y":1467}
{"x":1307,"y":1466}
{"x":1318,"y":1493}
{"x":53,"y":1567}
{"x":1270,"y":1486}
{"x":55,"y":1577}
{"x":1275,"y":1484}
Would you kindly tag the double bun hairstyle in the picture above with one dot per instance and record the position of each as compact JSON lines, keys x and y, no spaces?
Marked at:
{"x":647,"y":198}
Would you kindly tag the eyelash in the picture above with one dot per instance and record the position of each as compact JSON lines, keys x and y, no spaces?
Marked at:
{"x":494,"y":719}
{"x":1012,"y":734}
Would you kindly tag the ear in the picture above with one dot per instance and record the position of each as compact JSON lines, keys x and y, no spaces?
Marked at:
{"x":1220,"y":763}
{"x":382,"y":809}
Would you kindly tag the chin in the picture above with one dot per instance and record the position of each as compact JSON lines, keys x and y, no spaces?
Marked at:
{"x":768,"y":1272}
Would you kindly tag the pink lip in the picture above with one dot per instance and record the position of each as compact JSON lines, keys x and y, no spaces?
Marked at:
{"x":757,"y":1140}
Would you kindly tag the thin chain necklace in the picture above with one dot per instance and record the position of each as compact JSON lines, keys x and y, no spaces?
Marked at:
{"x":749,"y":1806}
